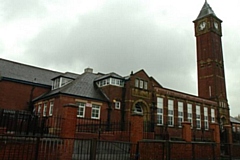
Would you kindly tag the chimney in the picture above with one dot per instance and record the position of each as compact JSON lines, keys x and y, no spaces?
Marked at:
{"x":88,"y":70}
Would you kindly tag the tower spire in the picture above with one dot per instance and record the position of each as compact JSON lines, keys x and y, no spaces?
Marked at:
{"x":205,"y":11}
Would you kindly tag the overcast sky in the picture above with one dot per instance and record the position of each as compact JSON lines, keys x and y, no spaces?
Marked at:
{"x":119,"y":36}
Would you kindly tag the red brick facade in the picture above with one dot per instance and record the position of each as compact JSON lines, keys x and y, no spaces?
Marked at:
{"x":17,"y":96}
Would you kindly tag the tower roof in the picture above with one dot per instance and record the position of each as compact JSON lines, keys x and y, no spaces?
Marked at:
{"x":205,"y":11}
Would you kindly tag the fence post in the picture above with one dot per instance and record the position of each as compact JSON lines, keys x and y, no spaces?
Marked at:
{"x":193,"y":151}
{"x":93,"y":149}
{"x":168,"y":150}
{"x":37,"y":148}
{"x":137,"y":152}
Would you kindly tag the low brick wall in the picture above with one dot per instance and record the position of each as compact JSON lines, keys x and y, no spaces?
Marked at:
{"x":177,"y":150}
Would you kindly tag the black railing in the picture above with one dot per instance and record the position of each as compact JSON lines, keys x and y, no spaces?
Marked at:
{"x":236,"y":137}
{"x":96,"y":126}
{"x":202,"y":134}
{"x":25,"y":123}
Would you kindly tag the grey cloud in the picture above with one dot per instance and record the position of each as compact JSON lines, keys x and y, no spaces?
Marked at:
{"x":12,"y":9}
{"x":121,"y":38}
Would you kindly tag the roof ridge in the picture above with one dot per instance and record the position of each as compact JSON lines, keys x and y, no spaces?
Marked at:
{"x":28,"y":65}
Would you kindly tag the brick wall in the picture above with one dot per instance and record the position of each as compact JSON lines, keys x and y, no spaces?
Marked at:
{"x":16,"y":96}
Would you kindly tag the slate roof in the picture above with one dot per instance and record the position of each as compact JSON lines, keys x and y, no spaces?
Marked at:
{"x":234,"y":120}
{"x":205,"y":11}
{"x":82,"y":86}
{"x":26,"y":73}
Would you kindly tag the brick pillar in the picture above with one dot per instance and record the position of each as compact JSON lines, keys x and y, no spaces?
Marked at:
{"x":136,"y":133}
{"x":186,"y":131}
{"x":214,"y":127}
{"x":136,"y":127}
{"x":69,"y":121}
{"x":68,"y":130}
{"x":215,"y":132}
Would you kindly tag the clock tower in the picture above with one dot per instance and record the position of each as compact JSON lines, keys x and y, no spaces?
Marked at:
{"x":210,"y":66}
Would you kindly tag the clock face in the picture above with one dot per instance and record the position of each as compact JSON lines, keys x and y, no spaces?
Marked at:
{"x":202,"y":26}
{"x":216,"y":25}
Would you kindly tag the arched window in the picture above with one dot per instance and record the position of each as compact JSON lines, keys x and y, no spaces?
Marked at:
{"x":138,"y":108}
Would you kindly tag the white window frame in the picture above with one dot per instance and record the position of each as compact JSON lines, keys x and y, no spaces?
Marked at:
{"x":160,"y":101}
{"x":95,"y":113}
{"x":39,"y":109}
{"x":51,"y":108}
{"x":117,"y":105}
{"x":189,"y":113}
{"x":206,"y":124}
{"x":170,"y":112}
{"x":238,"y":129}
{"x":45,"y":109}
{"x":56,"y":83}
{"x":234,"y":128}
{"x":81,"y":109}
{"x":136,"y":82}
{"x":180,"y":114}
{"x":198,"y":117}
{"x":141,"y":82}
{"x":145,"y":85}
{"x":212,"y":115}
{"x":113,"y":81}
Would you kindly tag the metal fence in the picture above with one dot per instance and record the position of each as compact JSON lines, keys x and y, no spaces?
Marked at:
{"x":51,"y":148}
{"x":25,"y":123}
{"x":96,"y":126}
{"x":164,"y":132}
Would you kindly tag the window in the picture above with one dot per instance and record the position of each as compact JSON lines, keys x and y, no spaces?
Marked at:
{"x":160,"y":111}
{"x":117,"y":105}
{"x":51,"y":108}
{"x":238,"y":129}
{"x":233,"y":129}
{"x":113,"y":81}
{"x":118,"y":82}
{"x":44,"y":109}
{"x":212,"y":115}
{"x":136,"y":82}
{"x":141,"y":84}
{"x":198,"y":117}
{"x":189,"y":111}
{"x":95,"y":111}
{"x":170,"y":113}
{"x":81,"y":110}
{"x":65,"y":81}
{"x":56,"y":83}
{"x":138,"y":108}
{"x":180,"y":113}
{"x":206,"y":125}
{"x":108,"y":81}
{"x":145,"y":85}
{"x":39,"y":109}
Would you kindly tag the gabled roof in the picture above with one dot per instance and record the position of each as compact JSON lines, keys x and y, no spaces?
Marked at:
{"x":82,"y":86}
{"x":205,"y":11}
{"x":68,"y":75}
{"x":25,"y":73}
{"x":112,"y":74}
